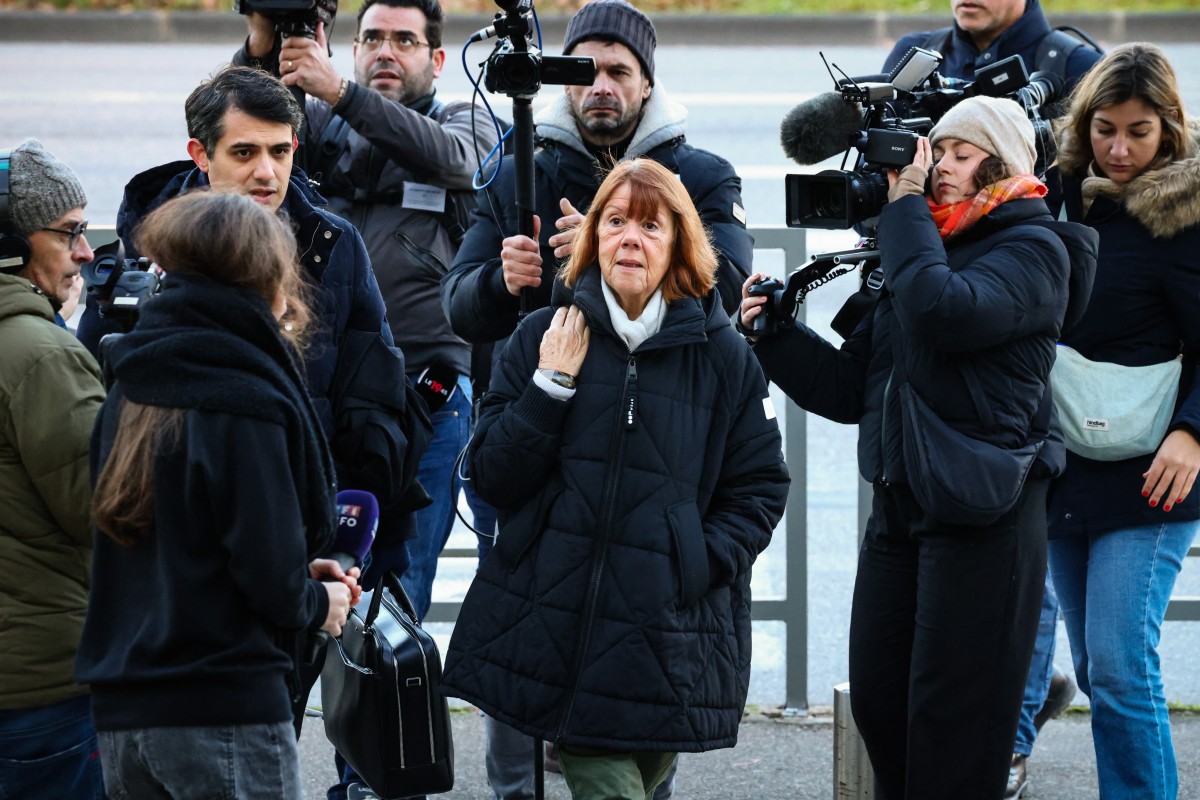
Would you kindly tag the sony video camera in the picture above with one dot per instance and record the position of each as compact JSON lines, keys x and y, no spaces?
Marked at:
{"x":896,"y":113}
{"x":292,"y":17}
{"x":120,"y":285}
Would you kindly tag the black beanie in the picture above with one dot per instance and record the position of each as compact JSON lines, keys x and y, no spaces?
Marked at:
{"x":618,"y":21}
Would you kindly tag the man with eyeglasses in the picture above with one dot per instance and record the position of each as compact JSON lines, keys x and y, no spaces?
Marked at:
{"x":50,"y":392}
{"x":396,"y":161}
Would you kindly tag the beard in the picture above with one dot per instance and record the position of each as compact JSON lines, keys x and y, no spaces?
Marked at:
{"x":607,"y":129}
{"x":407,"y":86}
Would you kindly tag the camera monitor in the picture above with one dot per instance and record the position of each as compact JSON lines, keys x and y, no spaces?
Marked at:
{"x":915,"y":68}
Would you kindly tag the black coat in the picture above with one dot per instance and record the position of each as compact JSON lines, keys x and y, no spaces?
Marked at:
{"x":1143,"y":310}
{"x":615,"y":609}
{"x":975,"y":321}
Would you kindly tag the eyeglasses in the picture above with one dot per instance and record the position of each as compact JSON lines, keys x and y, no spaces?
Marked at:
{"x":402,"y":43}
{"x":72,"y":235}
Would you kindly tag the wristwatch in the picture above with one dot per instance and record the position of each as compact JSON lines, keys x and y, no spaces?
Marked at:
{"x":560,"y":378}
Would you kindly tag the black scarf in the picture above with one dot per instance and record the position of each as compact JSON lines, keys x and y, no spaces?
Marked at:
{"x":204,"y":346}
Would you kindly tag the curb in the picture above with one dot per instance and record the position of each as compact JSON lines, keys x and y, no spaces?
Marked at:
{"x":673,"y":28}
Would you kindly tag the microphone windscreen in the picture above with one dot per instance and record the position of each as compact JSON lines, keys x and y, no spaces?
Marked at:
{"x":358,"y":518}
{"x":819,"y":128}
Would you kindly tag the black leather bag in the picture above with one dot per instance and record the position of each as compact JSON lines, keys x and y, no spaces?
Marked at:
{"x":956,"y":478}
{"x":382,"y":705}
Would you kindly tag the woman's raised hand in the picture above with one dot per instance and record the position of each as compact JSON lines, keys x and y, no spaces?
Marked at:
{"x":565,"y":342}
{"x":911,"y":179}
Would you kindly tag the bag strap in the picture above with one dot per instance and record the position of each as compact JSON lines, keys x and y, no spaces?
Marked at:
{"x":329,"y":146}
{"x":392,"y":583}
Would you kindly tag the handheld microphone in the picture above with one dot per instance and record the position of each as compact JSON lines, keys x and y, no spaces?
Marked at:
{"x":819,"y":128}
{"x":358,"y":519}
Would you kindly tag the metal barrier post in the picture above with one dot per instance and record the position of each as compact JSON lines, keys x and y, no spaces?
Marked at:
{"x":853,"y":778}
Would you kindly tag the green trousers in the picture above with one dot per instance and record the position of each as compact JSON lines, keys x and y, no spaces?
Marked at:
{"x":595,"y":774}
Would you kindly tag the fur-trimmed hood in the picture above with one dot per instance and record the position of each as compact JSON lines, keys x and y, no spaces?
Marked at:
{"x":1163,"y":200}
{"x":662,"y":120}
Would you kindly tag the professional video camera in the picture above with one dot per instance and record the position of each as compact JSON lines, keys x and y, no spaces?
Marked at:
{"x":883,"y":119}
{"x":517,"y":67}
{"x":119,"y":285}
{"x":292,"y":17}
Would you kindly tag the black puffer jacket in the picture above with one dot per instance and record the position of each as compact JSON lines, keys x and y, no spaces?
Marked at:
{"x":975,"y":321}
{"x":615,"y":609}
{"x":1143,"y":311}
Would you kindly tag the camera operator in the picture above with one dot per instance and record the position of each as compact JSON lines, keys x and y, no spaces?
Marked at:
{"x":623,"y":115}
{"x":956,"y":352}
{"x":985,"y":32}
{"x":395,"y":161}
{"x":50,"y":392}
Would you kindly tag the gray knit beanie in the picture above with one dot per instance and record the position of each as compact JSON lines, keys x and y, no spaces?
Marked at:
{"x":41,"y":188}
{"x":994,"y":124}
{"x":618,"y":21}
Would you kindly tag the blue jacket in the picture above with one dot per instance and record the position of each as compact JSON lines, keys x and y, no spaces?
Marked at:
{"x":331,"y":252}
{"x":963,"y":58}
{"x":974,"y":321}
{"x":614,"y":610}
{"x":1143,"y":310}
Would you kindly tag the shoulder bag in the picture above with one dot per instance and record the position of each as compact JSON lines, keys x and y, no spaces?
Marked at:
{"x":1111,"y":412}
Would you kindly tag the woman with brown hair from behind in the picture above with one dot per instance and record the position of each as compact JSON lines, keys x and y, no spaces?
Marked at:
{"x":214,"y":490}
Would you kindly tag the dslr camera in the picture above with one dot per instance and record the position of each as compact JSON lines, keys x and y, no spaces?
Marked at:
{"x":898,"y":112}
{"x":292,"y":17}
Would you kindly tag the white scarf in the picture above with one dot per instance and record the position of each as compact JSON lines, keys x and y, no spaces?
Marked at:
{"x":635,"y":331}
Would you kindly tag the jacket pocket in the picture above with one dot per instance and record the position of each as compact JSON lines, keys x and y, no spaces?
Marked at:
{"x":521,"y":533}
{"x":426,"y":258}
{"x":691,"y":554}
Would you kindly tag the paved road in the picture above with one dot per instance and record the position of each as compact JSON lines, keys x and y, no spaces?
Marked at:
{"x":114,"y":109}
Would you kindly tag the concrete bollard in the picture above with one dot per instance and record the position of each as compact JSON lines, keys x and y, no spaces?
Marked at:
{"x":853,"y":778}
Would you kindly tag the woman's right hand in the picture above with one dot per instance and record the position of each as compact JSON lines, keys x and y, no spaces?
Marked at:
{"x":565,"y":342}
{"x":339,"y":607}
{"x":911,"y":179}
{"x":751,"y":306}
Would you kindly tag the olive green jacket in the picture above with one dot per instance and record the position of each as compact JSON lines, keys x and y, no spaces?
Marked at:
{"x":50,"y":393}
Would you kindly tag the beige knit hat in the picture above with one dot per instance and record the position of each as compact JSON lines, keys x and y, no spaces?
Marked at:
{"x":994,"y":124}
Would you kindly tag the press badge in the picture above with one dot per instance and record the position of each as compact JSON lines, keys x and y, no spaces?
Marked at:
{"x":423,"y":197}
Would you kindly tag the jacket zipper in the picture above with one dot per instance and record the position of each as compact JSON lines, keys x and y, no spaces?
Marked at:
{"x":612,"y":482}
{"x":883,"y":429}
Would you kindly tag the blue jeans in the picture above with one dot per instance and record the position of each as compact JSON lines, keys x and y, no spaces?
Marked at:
{"x":451,"y":431}
{"x":1113,"y":588}
{"x":50,"y":752}
{"x":483,"y":520}
{"x":1041,"y":668}
{"x":249,"y":762}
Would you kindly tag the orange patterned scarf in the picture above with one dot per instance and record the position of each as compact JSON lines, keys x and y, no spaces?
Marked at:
{"x":954,"y":218}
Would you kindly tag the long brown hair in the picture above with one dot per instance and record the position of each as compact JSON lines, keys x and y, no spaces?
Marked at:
{"x":1132,"y":71}
{"x":652,"y":187}
{"x":229,"y":239}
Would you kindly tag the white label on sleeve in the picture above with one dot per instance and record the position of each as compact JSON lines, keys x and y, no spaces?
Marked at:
{"x":739,"y":213}
{"x":768,"y":408}
{"x":423,"y":197}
